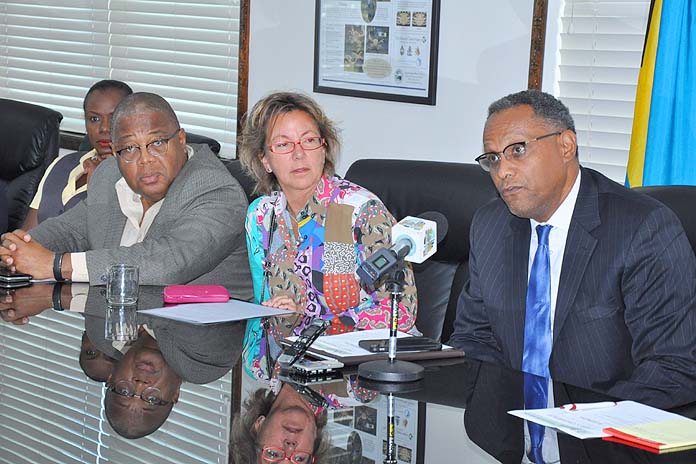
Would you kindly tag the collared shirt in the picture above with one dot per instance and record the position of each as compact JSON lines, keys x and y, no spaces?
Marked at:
{"x":70,"y":189}
{"x":560,"y":222}
{"x":137,"y":223}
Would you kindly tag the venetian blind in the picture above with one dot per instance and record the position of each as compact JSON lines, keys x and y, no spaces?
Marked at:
{"x":600,"y":49}
{"x":52,"y":51}
{"x":50,"y":412}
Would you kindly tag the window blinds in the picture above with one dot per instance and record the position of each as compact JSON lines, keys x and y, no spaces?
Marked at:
{"x":600,"y":49}
{"x":52,"y":51}
{"x":50,"y":412}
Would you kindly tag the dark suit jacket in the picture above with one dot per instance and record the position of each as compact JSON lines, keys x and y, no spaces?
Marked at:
{"x":625,"y":317}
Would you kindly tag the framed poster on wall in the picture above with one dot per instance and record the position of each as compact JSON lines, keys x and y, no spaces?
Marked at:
{"x":382,"y":49}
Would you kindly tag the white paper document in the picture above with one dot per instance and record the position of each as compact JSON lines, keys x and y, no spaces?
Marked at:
{"x":211,"y":313}
{"x":588,"y":423}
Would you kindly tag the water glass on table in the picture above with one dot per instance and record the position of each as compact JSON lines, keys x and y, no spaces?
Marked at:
{"x":122,"y":284}
{"x":120,"y":323}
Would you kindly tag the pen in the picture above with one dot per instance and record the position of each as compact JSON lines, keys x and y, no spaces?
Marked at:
{"x":586,"y":406}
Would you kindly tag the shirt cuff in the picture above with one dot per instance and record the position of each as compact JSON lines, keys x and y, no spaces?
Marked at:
{"x":79,"y":297}
{"x":79,"y":267}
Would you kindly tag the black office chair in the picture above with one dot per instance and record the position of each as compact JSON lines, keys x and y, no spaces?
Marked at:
{"x":410,"y":188}
{"x":30,"y":141}
{"x":680,"y":199}
{"x":245,"y":180}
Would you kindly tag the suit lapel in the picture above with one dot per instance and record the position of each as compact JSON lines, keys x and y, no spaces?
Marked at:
{"x":516,"y":263}
{"x":579,"y":247}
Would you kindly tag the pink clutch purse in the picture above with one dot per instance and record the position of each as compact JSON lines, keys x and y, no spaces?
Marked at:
{"x":195,"y":294}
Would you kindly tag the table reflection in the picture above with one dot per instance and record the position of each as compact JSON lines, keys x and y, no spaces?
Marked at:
{"x":81,"y":394}
{"x":67,"y":391}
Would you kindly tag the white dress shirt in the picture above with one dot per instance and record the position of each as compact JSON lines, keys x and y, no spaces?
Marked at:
{"x":560,"y":223}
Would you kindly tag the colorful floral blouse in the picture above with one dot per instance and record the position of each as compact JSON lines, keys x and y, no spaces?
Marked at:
{"x":339,"y":228}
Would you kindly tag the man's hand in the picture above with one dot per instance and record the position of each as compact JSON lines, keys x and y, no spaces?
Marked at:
{"x":19,"y":253}
{"x":21,"y":304}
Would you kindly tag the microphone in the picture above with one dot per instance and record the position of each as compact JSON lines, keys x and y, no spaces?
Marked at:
{"x":414,"y":239}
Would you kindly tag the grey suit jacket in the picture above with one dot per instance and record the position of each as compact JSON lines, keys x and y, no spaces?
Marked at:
{"x":625,"y":318}
{"x":197,"y":236}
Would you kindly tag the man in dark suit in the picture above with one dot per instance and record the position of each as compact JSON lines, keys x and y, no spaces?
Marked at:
{"x":622,"y":272}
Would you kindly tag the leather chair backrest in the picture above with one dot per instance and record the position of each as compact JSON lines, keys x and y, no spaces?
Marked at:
{"x":410,"y":188}
{"x":190,"y":138}
{"x":30,"y":141}
{"x":245,"y":180}
{"x":682,"y":200}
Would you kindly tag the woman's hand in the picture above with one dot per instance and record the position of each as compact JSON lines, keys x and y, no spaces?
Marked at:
{"x":90,"y":164}
{"x":283,"y":302}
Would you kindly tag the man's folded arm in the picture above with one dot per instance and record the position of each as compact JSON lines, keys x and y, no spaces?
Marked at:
{"x":195,"y":240}
{"x":64,"y":233}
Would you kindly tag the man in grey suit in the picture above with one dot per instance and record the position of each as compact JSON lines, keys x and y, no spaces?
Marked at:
{"x":622,"y":273}
{"x":174,"y":210}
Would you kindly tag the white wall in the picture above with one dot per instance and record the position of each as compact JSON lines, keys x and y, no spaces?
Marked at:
{"x":484,"y":54}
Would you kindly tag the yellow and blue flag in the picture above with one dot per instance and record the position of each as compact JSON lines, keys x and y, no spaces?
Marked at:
{"x":663,"y":139}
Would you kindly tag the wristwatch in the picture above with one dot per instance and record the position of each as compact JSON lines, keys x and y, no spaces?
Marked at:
{"x":58,"y":267}
{"x":56,"y":296}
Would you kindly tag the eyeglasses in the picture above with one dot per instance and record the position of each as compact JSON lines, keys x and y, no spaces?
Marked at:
{"x":273,"y":454}
{"x":285,"y":147}
{"x":151,"y":395}
{"x":157,"y":147}
{"x":514,"y":152}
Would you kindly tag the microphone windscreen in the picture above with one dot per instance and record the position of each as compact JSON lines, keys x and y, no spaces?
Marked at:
{"x":439,"y":219}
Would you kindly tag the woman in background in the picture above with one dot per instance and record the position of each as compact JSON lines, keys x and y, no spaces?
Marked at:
{"x":309,"y":232}
{"x":65,"y":182}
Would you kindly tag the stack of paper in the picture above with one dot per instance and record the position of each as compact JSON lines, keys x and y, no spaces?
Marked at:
{"x":657,"y":437}
{"x":591,"y":420}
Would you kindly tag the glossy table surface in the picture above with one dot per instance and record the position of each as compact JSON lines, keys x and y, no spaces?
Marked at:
{"x":52,"y":412}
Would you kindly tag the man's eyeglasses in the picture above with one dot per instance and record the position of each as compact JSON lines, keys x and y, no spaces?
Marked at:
{"x":157,"y":147}
{"x":151,"y":395}
{"x":273,"y":454}
{"x":285,"y":147}
{"x":514,"y":152}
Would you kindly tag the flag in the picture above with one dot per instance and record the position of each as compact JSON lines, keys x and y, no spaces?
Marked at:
{"x":663,"y":139}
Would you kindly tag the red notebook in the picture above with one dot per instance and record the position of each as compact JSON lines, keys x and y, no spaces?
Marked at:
{"x":656,"y":437}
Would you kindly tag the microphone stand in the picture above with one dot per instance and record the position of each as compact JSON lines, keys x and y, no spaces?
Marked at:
{"x":392,"y":369}
{"x":390,"y":390}
{"x":390,"y":458}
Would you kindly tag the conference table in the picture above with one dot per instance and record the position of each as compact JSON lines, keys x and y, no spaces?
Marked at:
{"x":52,"y":412}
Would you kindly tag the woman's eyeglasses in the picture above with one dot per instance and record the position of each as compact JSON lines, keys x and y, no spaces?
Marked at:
{"x":273,"y":454}
{"x":308,"y":144}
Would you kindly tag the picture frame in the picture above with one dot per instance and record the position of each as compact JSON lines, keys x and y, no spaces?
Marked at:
{"x":378,"y":49}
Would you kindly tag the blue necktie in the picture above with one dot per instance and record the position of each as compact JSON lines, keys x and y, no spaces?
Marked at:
{"x":537,"y":339}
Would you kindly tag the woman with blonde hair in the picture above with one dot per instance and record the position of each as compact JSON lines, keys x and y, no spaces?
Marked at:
{"x":310,"y":230}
